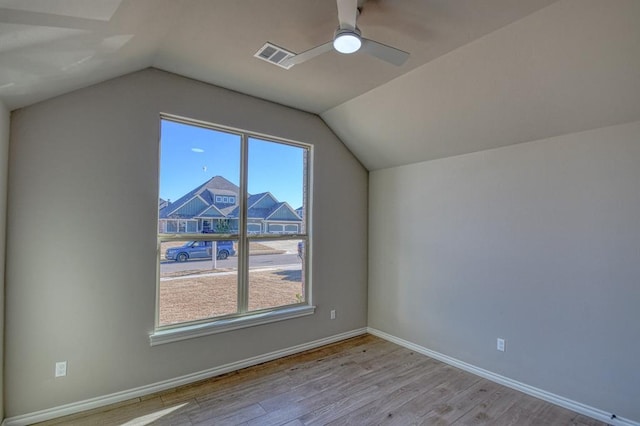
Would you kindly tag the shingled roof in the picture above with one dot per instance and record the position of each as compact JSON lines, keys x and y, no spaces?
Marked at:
{"x":216,"y":185}
{"x":260,"y":206}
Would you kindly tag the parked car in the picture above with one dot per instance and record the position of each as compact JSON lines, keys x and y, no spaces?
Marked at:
{"x":199,"y":250}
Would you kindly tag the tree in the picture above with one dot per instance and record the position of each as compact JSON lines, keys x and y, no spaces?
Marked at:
{"x":223,"y":226}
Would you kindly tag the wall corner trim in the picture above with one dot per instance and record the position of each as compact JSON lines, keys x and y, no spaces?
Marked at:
{"x":102,"y":401}
{"x":513,"y":384}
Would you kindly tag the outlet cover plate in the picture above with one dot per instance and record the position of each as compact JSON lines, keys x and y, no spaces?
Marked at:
{"x":61,"y":368}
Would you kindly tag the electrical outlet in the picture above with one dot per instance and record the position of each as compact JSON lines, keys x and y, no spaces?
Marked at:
{"x":61,"y":368}
{"x":500,"y":345}
{"x":333,"y":314}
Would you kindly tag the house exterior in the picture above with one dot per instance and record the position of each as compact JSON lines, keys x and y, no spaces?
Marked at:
{"x":213,"y":207}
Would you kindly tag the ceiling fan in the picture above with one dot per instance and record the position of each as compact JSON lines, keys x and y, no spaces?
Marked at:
{"x":348,"y":39}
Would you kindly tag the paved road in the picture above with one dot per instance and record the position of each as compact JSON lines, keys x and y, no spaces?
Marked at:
{"x":263,"y":261}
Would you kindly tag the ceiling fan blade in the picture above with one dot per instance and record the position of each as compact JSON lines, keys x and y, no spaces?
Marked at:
{"x":382,"y":51}
{"x":347,"y":14}
{"x":309,"y":54}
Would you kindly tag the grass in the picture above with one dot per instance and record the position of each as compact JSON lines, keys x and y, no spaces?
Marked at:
{"x":199,"y":297}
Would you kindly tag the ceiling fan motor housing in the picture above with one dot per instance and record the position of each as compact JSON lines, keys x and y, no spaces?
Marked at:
{"x":347,"y":40}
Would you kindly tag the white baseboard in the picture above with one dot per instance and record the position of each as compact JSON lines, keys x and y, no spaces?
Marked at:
{"x":522,"y":387}
{"x":102,"y":401}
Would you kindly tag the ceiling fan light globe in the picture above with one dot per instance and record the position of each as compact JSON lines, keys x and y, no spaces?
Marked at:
{"x":347,"y":42}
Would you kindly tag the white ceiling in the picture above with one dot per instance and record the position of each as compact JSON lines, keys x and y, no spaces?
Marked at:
{"x":481,"y":74}
{"x":571,"y":67}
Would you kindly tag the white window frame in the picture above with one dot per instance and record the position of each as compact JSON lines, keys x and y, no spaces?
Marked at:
{"x":243,"y":317}
{"x":291,"y":232}
{"x":276,"y":231}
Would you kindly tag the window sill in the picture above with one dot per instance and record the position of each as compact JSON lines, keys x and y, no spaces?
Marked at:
{"x":221,"y":326}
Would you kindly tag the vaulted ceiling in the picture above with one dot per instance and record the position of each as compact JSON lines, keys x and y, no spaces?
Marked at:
{"x":481,"y":74}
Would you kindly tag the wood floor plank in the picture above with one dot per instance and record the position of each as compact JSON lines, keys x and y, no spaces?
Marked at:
{"x":412,"y":411}
{"x":581,"y":420}
{"x":549,"y":414}
{"x":297,"y":409}
{"x":385,"y":382}
{"x":144,"y":412}
{"x":234,"y":417}
{"x":81,"y":416}
{"x":522,"y":413}
{"x":325,"y":382}
{"x":360,"y":381}
{"x":487,"y":411}
{"x":298,"y":361}
{"x":347,"y":377}
{"x":446,"y":413}
{"x":378,"y":410}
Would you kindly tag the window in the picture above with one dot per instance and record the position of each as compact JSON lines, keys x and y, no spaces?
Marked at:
{"x":230,"y":266}
{"x":275,"y":228}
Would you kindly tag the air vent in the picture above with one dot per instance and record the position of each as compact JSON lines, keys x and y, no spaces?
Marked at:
{"x":274,"y":54}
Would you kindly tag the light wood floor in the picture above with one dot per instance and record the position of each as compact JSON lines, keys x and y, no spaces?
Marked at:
{"x":360,"y":381}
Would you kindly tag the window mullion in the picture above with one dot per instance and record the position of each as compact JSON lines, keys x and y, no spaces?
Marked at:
{"x":243,"y":242}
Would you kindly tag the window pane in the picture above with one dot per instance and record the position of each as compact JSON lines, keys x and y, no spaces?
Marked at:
{"x":199,"y":175}
{"x":193,"y":285}
{"x":276,"y":185}
{"x":275,"y":274}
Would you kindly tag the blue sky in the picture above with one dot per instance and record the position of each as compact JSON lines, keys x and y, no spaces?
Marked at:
{"x":191,"y":155}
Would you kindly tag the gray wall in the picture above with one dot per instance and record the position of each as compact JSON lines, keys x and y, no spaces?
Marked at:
{"x":537,"y":243}
{"x":82,"y":239}
{"x":4,"y":156}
